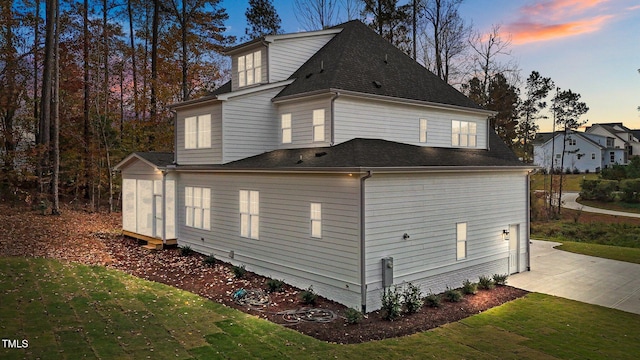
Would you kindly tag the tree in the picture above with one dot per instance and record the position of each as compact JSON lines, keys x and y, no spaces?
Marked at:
{"x":502,"y":97}
{"x":262,"y":19}
{"x":446,"y":37}
{"x":316,"y":14}
{"x":568,"y":109}
{"x":352,"y":9}
{"x":536,"y":91}
{"x":390,"y":21}
{"x":487,"y":51}
{"x":204,"y":18}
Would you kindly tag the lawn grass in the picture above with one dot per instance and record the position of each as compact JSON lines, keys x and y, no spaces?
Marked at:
{"x":571,"y":181}
{"x":616,"y":206}
{"x":631,"y":255}
{"x":68,"y":311}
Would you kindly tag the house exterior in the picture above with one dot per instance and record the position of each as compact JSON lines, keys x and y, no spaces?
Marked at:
{"x":618,"y":137}
{"x":333,"y":160}
{"x":599,"y":147}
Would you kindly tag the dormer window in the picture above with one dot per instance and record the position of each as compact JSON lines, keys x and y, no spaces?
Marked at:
{"x":250,"y":69}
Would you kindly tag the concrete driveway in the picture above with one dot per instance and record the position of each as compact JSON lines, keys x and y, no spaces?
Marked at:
{"x":611,"y":283}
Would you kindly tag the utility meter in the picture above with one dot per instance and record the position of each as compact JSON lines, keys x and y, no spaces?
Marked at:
{"x":387,"y":271}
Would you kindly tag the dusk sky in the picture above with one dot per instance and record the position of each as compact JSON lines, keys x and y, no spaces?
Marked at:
{"x":589,"y":46}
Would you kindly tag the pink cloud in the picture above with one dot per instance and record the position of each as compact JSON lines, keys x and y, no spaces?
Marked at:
{"x":526,"y":32}
{"x":554,"y":19}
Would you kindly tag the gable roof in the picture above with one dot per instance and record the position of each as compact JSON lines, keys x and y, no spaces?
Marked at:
{"x":543,"y":138}
{"x":374,"y":153}
{"x":158,"y":160}
{"x":357,"y":59}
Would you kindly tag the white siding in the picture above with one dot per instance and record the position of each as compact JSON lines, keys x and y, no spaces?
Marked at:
{"x":251,"y":125}
{"x":212,"y":155}
{"x":302,"y":122}
{"x":399,"y":122}
{"x":129,"y":205}
{"x":286,"y":250}
{"x":427,"y":208}
{"x":287,"y":55}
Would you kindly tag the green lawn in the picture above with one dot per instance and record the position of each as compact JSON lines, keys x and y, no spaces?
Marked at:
{"x":70,"y":311}
{"x":571,"y":181}
{"x":617,"y":205}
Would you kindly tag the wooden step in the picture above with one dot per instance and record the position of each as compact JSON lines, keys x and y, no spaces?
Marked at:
{"x":151,"y":242}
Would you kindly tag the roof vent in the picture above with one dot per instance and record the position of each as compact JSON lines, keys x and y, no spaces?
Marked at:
{"x":299,"y":161}
{"x":386,"y":59}
{"x":321,"y":65}
{"x":320,"y":154}
{"x":377,"y":84}
{"x":309,"y":75}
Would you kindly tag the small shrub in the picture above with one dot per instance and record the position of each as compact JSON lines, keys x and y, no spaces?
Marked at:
{"x":309,"y":297}
{"x":209,"y":260}
{"x":186,"y":250}
{"x":500,"y":279}
{"x":485,"y":283}
{"x":391,"y":303}
{"x":353,"y":316}
{"x":469,"y":288}
{"x":432,"y":300}
{"x":630,"y":190}
{"x":453,"y":295}
{"x":575,"y":171}
{"x":412,"y":298}
{"x":239,"y":271}
{"x":275,"y":285}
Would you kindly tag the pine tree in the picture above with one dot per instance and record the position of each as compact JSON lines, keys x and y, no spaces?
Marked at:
{"x":262,"y":19}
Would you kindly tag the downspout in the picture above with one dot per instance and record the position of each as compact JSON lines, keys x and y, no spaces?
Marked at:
{"x":164,"y":207}
{"x":333,"y":122}
{"x":488,"y":133}
{"x":175,"y":136}
{"x":528,"y":187}
{"x":363,"y":268}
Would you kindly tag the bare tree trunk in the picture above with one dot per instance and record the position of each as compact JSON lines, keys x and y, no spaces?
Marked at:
{"x":134,"y":69}
{"x":55,"y":209}
{"x":45,"y":111}
{"x":154,"y":60}
{"x":87,"y":166}
{"x":36,"y":44}
{"x":564,"y":145}
{"x":185,"y":89}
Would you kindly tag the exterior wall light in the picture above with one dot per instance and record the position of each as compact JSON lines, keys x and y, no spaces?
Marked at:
{"x":405,"y":236}
{"x":505,"y":234}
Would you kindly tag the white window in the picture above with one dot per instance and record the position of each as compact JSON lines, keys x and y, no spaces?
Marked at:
{"x":316,"y":220}
{"x":250,"y":69}
{"x":463,"y":133}
{"x":286,"y":128}
{"x":197,"y":203}
{"x":593,"y":156}
{"x":423,"y":130}
{"x":197,"y":132}
{"x":318,"y":125}
{"x":250,"y":214}
{"x":572,"y":141}
{"x":461,"y":243}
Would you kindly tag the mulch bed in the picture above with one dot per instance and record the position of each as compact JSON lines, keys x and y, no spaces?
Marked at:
{"x":95,"y":239}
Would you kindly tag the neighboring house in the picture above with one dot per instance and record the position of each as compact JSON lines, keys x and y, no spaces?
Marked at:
{"x":618,"y":137}
{"x":601,"y":146}
{"x":330,"y":156}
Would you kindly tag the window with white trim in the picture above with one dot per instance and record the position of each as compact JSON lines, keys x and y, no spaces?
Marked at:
{"x":316,"y":220}
{"x":250,"y":214}
{"x":463,"y":133}
{"x":197,"y":132}
{"x":593,"y":156}
{"x":197,"y":203}
{"x":461,"y":241}
{"x":572,"y":142}
{"x":250,"y":69}
{"x":318,"y":125}
{"x":285,"y":123}
{"x":423,"y":130}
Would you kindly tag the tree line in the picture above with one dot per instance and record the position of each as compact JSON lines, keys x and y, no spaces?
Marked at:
{"x":83,"y":83}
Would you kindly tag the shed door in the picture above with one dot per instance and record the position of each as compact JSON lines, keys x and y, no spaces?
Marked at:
{"x":514,"y":248}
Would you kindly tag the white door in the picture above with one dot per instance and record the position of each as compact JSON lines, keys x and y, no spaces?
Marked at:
{"x":514,"y":248}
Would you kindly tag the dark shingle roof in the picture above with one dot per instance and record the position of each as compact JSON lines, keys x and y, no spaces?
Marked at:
{"x":159,"y":159}
{"x":357,"y":59}
{"x":223,"y":89}
{"x":542,"y":137}
{"x":375,"y":153}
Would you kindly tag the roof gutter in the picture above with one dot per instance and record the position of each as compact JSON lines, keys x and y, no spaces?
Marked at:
{"x":353,"y":170}
{"x":392,"y":99}
{"x":363,"y":259}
